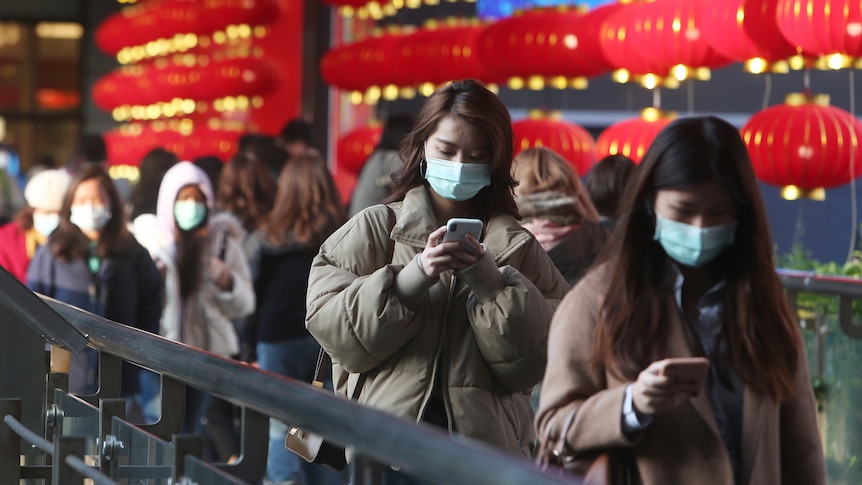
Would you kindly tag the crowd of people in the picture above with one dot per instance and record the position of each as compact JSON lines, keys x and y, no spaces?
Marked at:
{"x":593,"y":290}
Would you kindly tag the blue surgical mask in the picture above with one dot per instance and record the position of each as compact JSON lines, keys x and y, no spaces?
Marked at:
{"x":46,"y":223}
{"x":457,"y":181}
{"x":90,"y":217}
{"x":189,"y":214}
{"x":691,"y":245}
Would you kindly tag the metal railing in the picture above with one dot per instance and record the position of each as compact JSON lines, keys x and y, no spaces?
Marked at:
{"x":379,"y":440}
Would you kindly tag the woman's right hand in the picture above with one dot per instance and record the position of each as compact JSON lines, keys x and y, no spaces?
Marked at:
{"x":654,"y":393}
{"x":439,"y":256}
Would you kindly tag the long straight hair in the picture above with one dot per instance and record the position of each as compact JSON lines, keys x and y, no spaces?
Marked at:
{"x":473,"y":102}
{"x":67,"y":242}
{"x":757,"y":326}
{"x":307,"y":205}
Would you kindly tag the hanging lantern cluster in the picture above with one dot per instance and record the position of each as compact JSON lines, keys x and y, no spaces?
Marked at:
{"x":192,"y":74}
{"x":804,"y":145}
{"x":655,"y":43}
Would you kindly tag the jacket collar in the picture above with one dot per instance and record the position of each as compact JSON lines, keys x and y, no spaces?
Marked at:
{"x":502,"y":234}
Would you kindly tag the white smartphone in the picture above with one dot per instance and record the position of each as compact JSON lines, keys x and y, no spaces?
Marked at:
{"x":457,"y":228}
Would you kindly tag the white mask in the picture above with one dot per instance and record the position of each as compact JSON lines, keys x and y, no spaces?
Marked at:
{"x":90,"y":217}
{"x":46,"y":223}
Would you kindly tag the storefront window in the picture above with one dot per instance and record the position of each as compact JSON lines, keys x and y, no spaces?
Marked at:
{"x":40,"y":91}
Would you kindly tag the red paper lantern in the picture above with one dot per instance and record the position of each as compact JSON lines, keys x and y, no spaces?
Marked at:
{"x":129,"y":144}
{"x":347,"y":3}
{"x":723,"y":27}
{"x":632,"y":137}
{"x":162,"y":19}
{"x":822,"y":27}
{"x":654,"y":38}
{"x":804,"y":143}
{"x":363,"y":64}
{"x":146,"y":85}
{"x":345,"y":182}
{"x":355,"y":147}
{"x":574,"y":143}
{"x":546,"y":43}
{"x":440,"y":53}
{"x":760,"y":24}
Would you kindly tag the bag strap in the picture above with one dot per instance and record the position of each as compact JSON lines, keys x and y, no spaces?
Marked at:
{"x":552,"y":450}
{"x":560,"y":445}
{"x":323,"y":361}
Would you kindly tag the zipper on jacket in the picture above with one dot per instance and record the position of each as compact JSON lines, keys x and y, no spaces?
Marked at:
{"x":444,"y":376}
{"x":437,"y":357}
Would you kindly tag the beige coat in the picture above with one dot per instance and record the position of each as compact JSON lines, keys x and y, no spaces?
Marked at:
{"x":780,"y":441}
{"x":481,"y":333}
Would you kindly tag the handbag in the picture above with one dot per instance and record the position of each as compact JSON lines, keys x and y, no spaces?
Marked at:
{"x":603,"y":468}
{"x":312,"y":446}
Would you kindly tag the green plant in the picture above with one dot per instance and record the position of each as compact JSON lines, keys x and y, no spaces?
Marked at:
{"x":839,"y":389}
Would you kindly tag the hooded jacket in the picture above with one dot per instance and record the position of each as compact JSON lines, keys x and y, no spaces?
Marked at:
{"x":204,"y":320}
{"x":476,"y":338}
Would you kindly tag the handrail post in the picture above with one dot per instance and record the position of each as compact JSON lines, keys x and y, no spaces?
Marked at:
{"x":110,"y":377}
{"x":108,"y":458}
{"x":254,"y":444}
{"x":10,"y":444}
{"x":172,"y":407}
{"x":62,"y":473}
{"x":185,"y":445}
{"x":845,"y":318}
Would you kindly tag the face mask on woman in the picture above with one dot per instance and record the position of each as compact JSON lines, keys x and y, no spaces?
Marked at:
{"x":90,"y":217}
{"x":46,"y":223}
{"x":457,"y":181}
{"x":189,"y":214}
{"x":691,"y":245}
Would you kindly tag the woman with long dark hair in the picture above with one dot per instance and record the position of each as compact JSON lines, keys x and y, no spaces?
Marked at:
{"x":307,"y":210}
{"x":93,"y":262}
{"x":689,"y":273}
{"x":449,"y":333}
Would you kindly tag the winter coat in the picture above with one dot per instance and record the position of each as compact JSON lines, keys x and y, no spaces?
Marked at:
{"x":13,"y":250}
{"x":126,"y":290}
{"x":574,"y":255}
{"x":476,"y":338}
{"x":780,"y":440}
{"x":280,"y":276}
{"x":204,"y":319}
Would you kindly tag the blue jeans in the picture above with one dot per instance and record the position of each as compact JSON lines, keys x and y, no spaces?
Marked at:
{"x":149,"y":395}
{"x":294,"y":358}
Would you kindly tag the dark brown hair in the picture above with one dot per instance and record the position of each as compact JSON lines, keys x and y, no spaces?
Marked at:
{"x":758,"y":328}
{"x":607,"y":182}
{"x":67,"y":242}
{"x":246,"y":189}
{"x":153,"y":166}
{"x":472,"y":101}
{"x":24,"y":218}
{"x":308,"y":207}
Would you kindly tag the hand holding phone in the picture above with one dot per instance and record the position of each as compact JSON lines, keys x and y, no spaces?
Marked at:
{"x":689,"y":372}
{"x":457,"y":229}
